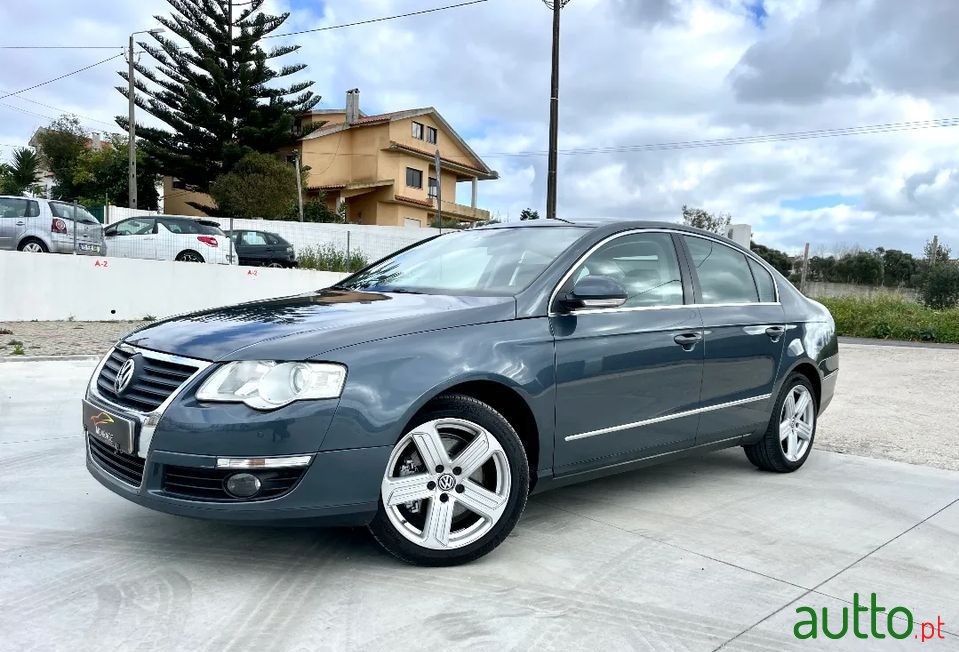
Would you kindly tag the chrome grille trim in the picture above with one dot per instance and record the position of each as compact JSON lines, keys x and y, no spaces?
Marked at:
{"x":148,"y":420}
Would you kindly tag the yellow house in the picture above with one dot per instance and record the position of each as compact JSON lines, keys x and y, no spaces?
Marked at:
{"x":382,"y":167}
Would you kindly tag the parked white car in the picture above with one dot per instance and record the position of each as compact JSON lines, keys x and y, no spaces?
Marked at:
{"x":41,"y":225}
{"x":167,"y":237}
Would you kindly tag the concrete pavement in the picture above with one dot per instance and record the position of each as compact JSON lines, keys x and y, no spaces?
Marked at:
{"x":694,"y":555}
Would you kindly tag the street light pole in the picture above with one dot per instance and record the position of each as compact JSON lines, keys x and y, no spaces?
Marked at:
{"x":131,"y":120}
{"x":551,"y":180}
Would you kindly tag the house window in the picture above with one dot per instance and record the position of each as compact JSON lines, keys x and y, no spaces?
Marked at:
{"x":414,"y":178}
{"x":417,"y":131}
{"x":433,"y":189}
{"x":431,"y":135}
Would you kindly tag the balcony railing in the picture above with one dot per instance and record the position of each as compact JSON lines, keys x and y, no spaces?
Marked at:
{"x":459,"y":211}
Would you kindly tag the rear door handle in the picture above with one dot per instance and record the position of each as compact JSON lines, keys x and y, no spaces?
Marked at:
{"x":19,"y":223}
{"x":688,"y":340}
{"x":775,"y":332}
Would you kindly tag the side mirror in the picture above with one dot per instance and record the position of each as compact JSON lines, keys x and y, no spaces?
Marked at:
{"x":109,"y":233}
{"x":595,"y":292}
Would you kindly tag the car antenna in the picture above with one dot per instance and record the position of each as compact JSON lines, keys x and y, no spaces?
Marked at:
{"x":560,"y":219}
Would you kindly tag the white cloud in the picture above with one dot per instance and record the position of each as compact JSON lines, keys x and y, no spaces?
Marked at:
{"x":633,"y":73}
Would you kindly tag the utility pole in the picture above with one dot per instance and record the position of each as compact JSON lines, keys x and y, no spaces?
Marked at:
{"x":299,"y":183}
{"x":551,"y":181}
{"x":132,"y":131}
{"x":131,"y":119}
{"x":805,"y":269}
{"x":934,"y":254}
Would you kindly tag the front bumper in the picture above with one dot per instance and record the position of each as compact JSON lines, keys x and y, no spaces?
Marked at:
{"x":338,"y":488}
{"x":184,"y":437}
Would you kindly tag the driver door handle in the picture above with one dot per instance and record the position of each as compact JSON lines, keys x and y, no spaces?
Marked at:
{"x":775,"y":332}
{"x":688,"y":340}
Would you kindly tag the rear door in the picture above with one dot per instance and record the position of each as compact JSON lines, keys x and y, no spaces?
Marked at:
{"x":626,"y":379}
{"x":255,"y":249}
{"x":744,"y":331}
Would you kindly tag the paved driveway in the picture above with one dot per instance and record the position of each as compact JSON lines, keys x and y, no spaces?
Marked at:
{"x":686,"y":556}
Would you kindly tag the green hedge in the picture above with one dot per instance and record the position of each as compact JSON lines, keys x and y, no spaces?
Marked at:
{"x":892,"y":318}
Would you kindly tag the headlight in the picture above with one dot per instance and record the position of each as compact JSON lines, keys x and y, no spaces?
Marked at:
{"x":267,"y":385}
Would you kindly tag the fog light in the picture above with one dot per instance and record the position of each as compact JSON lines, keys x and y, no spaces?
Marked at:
{"x":243,"y":485}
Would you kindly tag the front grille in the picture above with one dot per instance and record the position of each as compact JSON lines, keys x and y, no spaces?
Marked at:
{"x":153,"y":385}
{"x":209,"y":484}
{"x":128,"y":468}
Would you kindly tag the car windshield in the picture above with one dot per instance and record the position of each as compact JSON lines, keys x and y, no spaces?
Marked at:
{"x":191,"y":227}
{"x":480,"y":262}
{"x":67,"y":211}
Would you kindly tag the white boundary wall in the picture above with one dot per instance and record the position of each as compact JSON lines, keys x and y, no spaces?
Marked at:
{"x":374,"y":241}
{"x":48,"y":287}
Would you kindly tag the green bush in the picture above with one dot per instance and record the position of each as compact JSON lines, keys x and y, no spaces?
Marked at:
{"x":940,"y":287}
{"x":330,"y":258}
{"x":892,"y":318}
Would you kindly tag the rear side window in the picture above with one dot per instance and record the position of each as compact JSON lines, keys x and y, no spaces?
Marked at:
{"x":275,"y":240}
{"x":644,"y":263}
{"x":190,"y":227}
{"x":764,"y":282}
{"x":17,"y":207}
{"x":723,"y":272}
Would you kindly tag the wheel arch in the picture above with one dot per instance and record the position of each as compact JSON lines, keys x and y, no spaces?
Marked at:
{"x":33,"y":236}
{"x":808,"y":369}
{"x":504,"y":397}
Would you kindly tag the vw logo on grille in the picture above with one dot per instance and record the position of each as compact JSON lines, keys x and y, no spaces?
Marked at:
{"x":446,"y":482}
{"x":124,"y":376}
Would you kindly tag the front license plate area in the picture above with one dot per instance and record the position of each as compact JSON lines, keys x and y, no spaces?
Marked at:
{"x":110,"y":428}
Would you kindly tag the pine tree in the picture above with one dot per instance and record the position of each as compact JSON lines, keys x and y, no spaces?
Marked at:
{"x":215,"y":93}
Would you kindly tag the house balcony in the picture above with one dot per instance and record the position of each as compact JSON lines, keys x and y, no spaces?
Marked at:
{"x":460,"y":212}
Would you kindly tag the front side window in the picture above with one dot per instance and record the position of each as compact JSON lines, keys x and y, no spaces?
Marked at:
{"x":723,"y":272}
{"x":135,"y":226}
{"x":478,"y":262}
{"x":431,"y":135}
{"x":16,"y":207}
{"x":417,"y":131}
{"x":645,"y":264}
{"x":414,"y":178}
{"x":764,"y":282}
{"x":252,"y":238}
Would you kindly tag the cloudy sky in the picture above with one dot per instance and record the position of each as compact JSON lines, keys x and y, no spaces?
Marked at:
{"x":634,"y":72}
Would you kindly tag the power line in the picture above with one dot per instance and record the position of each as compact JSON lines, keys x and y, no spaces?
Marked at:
{"x":63,"y":76}
{"x":55,"y":108}
{"x":379,"y":20}
{"x":304,"y":31}
{"x":890,"y":127}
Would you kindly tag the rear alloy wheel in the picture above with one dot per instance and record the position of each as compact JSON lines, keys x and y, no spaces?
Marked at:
{"x":789,"y":438}
{"x":454,"y":487}
{"x":33,"y":246}
{"x":189,"y":256}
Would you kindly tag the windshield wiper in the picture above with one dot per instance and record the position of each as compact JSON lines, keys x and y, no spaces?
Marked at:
{"x":402,"y":291}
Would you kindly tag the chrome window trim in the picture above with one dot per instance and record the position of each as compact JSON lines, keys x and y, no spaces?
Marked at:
{"x":148,"y":420}
{"x":668,"y":417}
{"x":579,"y":261}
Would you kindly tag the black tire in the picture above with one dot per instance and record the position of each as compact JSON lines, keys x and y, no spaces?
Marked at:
{"x":768,"y":453}
{"x":467,"y":408}
{"x":189,"y":256}
{"x":35,"y":241}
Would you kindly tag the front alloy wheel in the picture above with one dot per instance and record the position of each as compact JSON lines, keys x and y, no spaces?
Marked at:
{"x":454,"y":486}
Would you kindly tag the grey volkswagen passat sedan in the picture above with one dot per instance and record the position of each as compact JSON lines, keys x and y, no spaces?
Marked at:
{"x":429,"y":394}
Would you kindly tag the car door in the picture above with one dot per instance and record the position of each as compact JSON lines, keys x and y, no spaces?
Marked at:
{"x":17,"y":215}
{"x":628,"y":377}
{"x":256,"y":250}
{"x":744,"y":331}
{"x":132,"y":238}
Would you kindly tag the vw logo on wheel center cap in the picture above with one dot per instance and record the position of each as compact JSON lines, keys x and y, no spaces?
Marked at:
{"x":125,"y":376}
{"x":446,"y":482}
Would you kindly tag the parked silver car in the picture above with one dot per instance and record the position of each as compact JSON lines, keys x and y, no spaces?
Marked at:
{"x":41,"y":225}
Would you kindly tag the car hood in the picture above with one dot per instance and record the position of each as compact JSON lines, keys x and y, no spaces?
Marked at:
{"x":308,"y":325}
